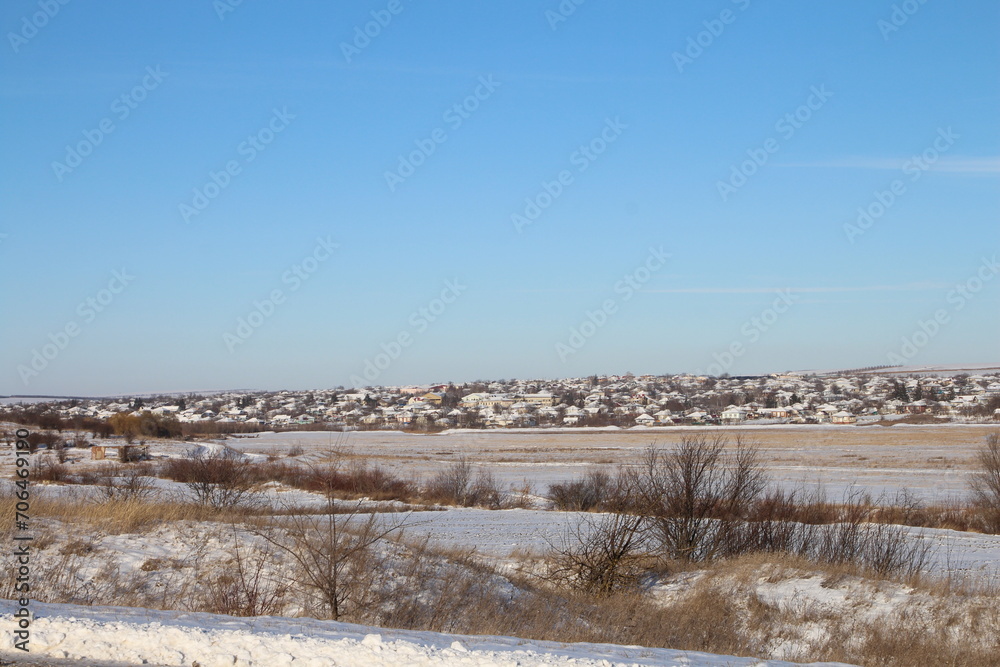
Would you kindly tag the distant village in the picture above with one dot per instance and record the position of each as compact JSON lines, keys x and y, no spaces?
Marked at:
{"x":623,"y":401}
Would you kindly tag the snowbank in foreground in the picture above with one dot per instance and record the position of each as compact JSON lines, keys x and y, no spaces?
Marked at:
{"x":137,"y":636}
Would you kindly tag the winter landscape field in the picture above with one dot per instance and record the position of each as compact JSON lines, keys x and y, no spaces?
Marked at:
{"x":145,"y":563}
{"x":396,"y":333}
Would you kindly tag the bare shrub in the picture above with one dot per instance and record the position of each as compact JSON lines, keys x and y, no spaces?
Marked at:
{"x":334,"y":553}
{"x":119,"y":483}
{"x":354,"y":480}
{"x":486,"y":492}
{"x":48,"y":469}
{"x":38,"y":438}
{"x":132,"y":453}
{"x":701,"y":502}
{"x":685,"y":491}
{"x":334,"y":556}
{"x":583,"y":494}
{"x":985,"y":483}
{"x":452,"y":485}
{"x":522,"y":497}
{"x":601,"y":556}
{"x":246,"y":585}
{"x":223,"y":480}
{"x":460,"y":484}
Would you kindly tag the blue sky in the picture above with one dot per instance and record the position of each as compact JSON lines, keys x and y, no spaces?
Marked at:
{"x":833,"y":98}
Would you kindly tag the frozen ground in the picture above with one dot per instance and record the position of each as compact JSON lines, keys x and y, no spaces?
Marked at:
{"x":496,"y":533}
{"x":931,"y":461}
{"x":141,"y":636}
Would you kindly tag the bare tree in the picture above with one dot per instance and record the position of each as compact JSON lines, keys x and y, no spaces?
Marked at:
{"x":335,"y":552}
{"x":247,"y":586}
{"x":124,"y":483}
{"x":985,"y":483}
{"x":686,"y":491}
{"x":221,"y":480}
{"x":601,"y":554}
{"x":454,"y":483}
{"x":459,"y":485}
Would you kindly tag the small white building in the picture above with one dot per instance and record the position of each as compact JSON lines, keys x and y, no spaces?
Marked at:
{"x":733,"y":415}
{"x":843,"y":417}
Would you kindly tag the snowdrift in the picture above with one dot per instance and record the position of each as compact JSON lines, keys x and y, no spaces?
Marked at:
{"x":138,"y":636}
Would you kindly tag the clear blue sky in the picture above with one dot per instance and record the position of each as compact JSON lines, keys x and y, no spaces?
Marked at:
{"x":330,"y":121}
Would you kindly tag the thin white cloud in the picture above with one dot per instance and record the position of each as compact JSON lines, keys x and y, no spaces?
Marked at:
{"x":955,"y":164}
{"x":912,"y":287}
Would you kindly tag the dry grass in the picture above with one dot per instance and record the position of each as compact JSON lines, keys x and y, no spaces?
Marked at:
{"x":117,"y":516}
{"x":719,"y":607}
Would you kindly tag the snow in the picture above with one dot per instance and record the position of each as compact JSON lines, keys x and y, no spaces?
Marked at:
{"x":137,"y":636}
{"x":495,"y":533}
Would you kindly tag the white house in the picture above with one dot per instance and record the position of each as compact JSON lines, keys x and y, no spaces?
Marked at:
{"x":733,"y":415}
{"x":843,"y":417}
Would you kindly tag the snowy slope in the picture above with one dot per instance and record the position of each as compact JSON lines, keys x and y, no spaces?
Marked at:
{"x":138,"y":636}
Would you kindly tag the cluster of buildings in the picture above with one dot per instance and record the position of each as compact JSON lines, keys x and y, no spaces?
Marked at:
{"x":625,"y":401}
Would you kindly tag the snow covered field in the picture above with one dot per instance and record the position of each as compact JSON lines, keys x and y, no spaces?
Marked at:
{"x":933,"y":461}
{"x":496,"y":533}
{"x":141,"y":636}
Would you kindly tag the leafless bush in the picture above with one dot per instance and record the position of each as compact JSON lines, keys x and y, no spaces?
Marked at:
{"x":335,"y":554}
{"x":985,"y":483}
{"x":601,"y":556}
{"x":586,"y":493}
{"x":460,"y":484}
{"x":522,"y":497}
{"x":133,"y":453}
{"x":48,"y":469}
{"x":124,"y":484}
{"x":486,"y":492}
{"x":351,"y":480}
{"x":702,"y":502}
{"x":686,"y":491}
{"x":453,"y":484}
{"x":223,"y":480}
{"x":246,"y":585}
